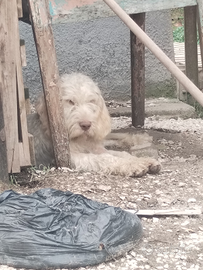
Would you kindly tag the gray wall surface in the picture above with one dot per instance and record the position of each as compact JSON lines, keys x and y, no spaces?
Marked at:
{"x":101,"y":50}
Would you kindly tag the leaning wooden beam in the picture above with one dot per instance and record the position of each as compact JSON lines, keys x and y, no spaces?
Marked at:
{"x":167,"y":212}
{"x":166,"y":61}
{"x":49,"y":71}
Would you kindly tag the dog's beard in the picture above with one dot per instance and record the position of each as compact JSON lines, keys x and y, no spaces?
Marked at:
{"x":82,"y":122}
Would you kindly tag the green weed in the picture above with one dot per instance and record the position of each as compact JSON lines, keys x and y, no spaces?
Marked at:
{"x":178,"y":34}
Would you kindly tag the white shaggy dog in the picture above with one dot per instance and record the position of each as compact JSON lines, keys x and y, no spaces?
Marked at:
{"x":88,"y":123}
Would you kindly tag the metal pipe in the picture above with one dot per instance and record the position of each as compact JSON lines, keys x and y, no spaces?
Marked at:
{"x":163,"y":58}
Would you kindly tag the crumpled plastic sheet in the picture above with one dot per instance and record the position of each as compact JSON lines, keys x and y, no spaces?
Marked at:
{"x":52,"y":228}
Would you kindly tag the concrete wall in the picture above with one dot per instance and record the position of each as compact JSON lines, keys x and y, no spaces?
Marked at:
{"x":101,"y":49}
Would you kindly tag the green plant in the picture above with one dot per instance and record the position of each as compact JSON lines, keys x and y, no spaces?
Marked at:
{"x":13,"y":179}
{"x":44,"y":169}
{"x":41,"y":169}
{"x":178,"y":34}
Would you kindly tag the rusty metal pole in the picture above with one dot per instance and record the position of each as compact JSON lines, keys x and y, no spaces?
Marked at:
{"x":191,"y":60}
{"x":137,"y":73}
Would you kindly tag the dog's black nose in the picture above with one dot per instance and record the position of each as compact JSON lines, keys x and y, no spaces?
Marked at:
{"x":85,"y":125}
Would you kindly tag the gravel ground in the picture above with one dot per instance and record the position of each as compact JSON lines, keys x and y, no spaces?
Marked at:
{"x":169,"y":242}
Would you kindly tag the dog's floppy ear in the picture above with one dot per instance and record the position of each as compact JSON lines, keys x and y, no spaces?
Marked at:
{"x":42,"y":112}
{"x":104,"y":121}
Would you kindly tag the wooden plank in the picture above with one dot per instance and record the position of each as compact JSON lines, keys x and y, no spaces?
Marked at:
{"x":27,"y":101}
{"x":22,"y":119}
{"x":75,"y":10}
{"x":13,"y":96}
{"x":22,"y":116}
{"x":49,"y":71}
{"x":191,"y":62}
{"x":3,"y":151}
{"x":200,"y":25}
{"x":24,"y":153}
{"x":179,"y":52}
{"x":23,"y":53}
{"x":138,"y":74}
{"x":32,"y":149}
{"x":166,"y":212}
{"x":8,"y":21}
{"x":20,"y":8}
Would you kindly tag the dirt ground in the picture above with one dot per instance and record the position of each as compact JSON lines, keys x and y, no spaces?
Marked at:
{"x":169,"y":242}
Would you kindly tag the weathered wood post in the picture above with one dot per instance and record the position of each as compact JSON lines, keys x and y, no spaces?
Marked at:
{"x":3,"y":153}
{"x":137,"y":73}
{"x":13,"y":114}
{"x":44,"y":40}
{"x":191,"y":61}
{"x":200,"y":25}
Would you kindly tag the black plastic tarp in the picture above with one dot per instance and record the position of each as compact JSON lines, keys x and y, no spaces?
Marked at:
{"x":51,"y":228}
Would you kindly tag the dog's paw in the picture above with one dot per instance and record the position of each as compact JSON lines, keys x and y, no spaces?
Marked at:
{"x":146,"y":165}
{"x":155,"y":167}
{"x":138,"y":170}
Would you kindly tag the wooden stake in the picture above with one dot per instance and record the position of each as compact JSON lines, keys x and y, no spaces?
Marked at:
{"x":49,"y":71}
{"x":3,"y":155}
{"x":8,"y":22}
{"x":137,"y":73}
{"x":23,"y":53}
{"x":200,"y":25}
{"x":22,"y":116}
{"x":191,"y":62}
{"x":20,"y":8}
{"x":167,"y":212}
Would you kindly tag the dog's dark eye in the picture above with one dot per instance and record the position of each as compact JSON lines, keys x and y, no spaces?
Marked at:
{"x":93,"y":101}
{"x":70,"y":102}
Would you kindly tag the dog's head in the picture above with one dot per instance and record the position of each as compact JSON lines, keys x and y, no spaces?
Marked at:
{"x":84,"y":107}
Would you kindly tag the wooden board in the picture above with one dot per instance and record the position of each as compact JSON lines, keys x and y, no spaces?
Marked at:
{"x":3,"y":151}
{"x":23,"y":53}
{"x":24,"y":151}
{"x":49,"y":71}
{"x":200,"y":25}
{"x":13,"y":99}
{"x":20,"y":8}
{"x":32,"y":149}
{"x":8,"y":14}
{"x":75,"y":10}
{"x":166,"y":212}
{"x":179,"y":52}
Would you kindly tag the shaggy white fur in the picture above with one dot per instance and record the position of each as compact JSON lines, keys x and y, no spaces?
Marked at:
{"x":88,"y":123}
